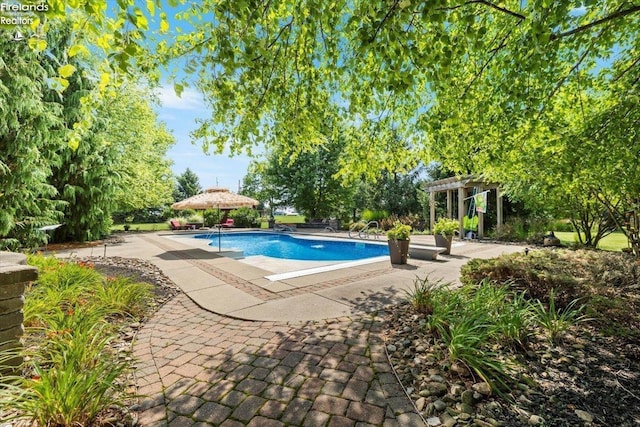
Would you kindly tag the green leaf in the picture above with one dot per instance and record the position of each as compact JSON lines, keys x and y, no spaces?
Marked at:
{"x":151,"y":7}
{"x":37,"y":45}
{"x":141,"y":20}
{"x":164,"y":24}
{"x":179,"y":88}
{"x":66,"y":71}
{"x":78,"y":49}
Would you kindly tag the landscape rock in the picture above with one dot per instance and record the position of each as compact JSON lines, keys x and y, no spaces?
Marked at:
{"x":482,"y":388}
{"x":436,"y":389}
{"x":584,"y":415}
{"x":467,"y":397}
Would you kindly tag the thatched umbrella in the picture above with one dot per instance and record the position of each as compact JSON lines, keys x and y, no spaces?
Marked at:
{"x":216,"y":198}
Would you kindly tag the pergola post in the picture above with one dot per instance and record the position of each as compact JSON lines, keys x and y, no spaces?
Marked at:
{"x":432,"y":210}
{"x":480,"y":218}
{"x":461,"y":195}
{"x":499,"y":211}
{"x":449,"y":205}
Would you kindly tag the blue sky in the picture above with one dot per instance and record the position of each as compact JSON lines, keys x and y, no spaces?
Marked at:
{"x":179,"y":113}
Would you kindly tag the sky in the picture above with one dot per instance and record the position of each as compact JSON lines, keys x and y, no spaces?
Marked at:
{"x":179,"y":113}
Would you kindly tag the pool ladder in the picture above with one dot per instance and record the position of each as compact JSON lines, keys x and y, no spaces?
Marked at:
{"x":362,"y":234}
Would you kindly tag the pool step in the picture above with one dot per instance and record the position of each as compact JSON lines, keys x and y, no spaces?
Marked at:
{"x":425,"y":252}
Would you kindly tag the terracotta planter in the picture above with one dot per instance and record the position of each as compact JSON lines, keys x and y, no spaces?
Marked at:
{"x":398,"y":251}
{"x":444,"y":242}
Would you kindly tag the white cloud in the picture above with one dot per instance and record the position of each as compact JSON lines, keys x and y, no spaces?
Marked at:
{"x":190,"y":99}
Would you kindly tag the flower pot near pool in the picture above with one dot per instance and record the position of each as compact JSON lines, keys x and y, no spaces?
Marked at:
{"x":444,"y":242}
{"x":398,"y":251}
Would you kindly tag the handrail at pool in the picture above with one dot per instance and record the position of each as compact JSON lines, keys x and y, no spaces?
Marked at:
{"x":365,"y":228}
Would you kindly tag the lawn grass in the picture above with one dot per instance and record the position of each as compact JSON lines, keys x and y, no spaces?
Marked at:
{"x":613,"y":242}
{"x":285,"y":219}
{"x":150,"y":226}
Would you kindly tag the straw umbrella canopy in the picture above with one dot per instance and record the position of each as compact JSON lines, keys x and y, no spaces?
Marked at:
{"x":216,"y":198}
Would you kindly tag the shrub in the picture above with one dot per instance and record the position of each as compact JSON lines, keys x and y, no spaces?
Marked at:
{"x":357,"y":226}
{"x":606,"y":282}
{"x":195,"y":219}
{"x":561,"y":225}
{"x":536,"y":274}
{"x":374,"y":215}
{"x":244,"y":217}
{"x":212,"y":217}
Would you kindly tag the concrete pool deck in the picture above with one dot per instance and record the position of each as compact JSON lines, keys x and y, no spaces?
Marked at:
{"x":241,"y":288}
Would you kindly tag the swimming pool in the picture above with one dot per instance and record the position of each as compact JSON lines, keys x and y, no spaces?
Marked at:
{"x":298,"y":247}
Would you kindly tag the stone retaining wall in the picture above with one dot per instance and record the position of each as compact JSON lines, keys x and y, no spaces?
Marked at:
{"x":14,"y":276}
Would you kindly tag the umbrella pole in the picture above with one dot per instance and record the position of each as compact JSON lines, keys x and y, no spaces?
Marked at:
{"x":219,"y":230}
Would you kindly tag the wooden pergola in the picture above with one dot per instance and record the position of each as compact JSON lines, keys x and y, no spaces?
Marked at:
{"x":462,"y":184}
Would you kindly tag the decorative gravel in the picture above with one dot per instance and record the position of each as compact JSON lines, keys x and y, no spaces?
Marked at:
{"x":586,"y":380}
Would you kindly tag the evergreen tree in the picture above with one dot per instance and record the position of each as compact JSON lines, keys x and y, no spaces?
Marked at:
{"x":27,"y":145}
{"x":188,"y":185}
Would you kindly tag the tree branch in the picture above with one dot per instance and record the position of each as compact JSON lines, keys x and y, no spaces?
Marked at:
{"x":615,"y":15}
{"x":633,"y":64}
{"x":486,"y":63}
{"x":489,"y":4}
{"x":387,"y":16}
{"x":500,"y":8}
{"x":274,"y":41}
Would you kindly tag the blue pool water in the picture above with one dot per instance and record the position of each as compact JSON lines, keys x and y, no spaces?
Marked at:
{"x":285,"y":246}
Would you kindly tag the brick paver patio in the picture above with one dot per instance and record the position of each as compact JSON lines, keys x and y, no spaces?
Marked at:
{"x":199,"y":368}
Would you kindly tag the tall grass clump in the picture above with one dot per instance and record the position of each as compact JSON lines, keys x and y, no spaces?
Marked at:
{"x":423,"y":295}
{"x":556,"y":321}
{"x":122,"y":296}
{"x":472,"y":321}
{"x":515,"y":322}
{"x":69,"y":381}
{"x":71,"y":373}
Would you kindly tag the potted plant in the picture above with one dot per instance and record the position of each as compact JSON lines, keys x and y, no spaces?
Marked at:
{"x":128,"y":220}
{"x":398,"y":241}
{"x":443,"y":231}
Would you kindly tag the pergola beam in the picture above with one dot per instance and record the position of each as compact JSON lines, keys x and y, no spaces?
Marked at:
{"x":461,"y":184}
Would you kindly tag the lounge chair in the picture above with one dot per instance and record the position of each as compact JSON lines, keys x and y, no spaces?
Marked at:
{"x":175,"y":225}
{"x":228,"y":223}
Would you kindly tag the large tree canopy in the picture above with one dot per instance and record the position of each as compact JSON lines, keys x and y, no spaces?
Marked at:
{"x":452,"y":78}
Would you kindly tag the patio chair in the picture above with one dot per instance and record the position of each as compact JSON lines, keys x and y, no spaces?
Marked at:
{"x":228,"y":223}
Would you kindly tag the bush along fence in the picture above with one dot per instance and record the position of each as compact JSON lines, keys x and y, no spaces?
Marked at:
{"x":14,"y":276}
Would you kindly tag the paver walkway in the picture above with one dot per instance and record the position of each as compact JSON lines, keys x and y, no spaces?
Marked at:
{"x":200,"y":368}
{"x":196,"y":367}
